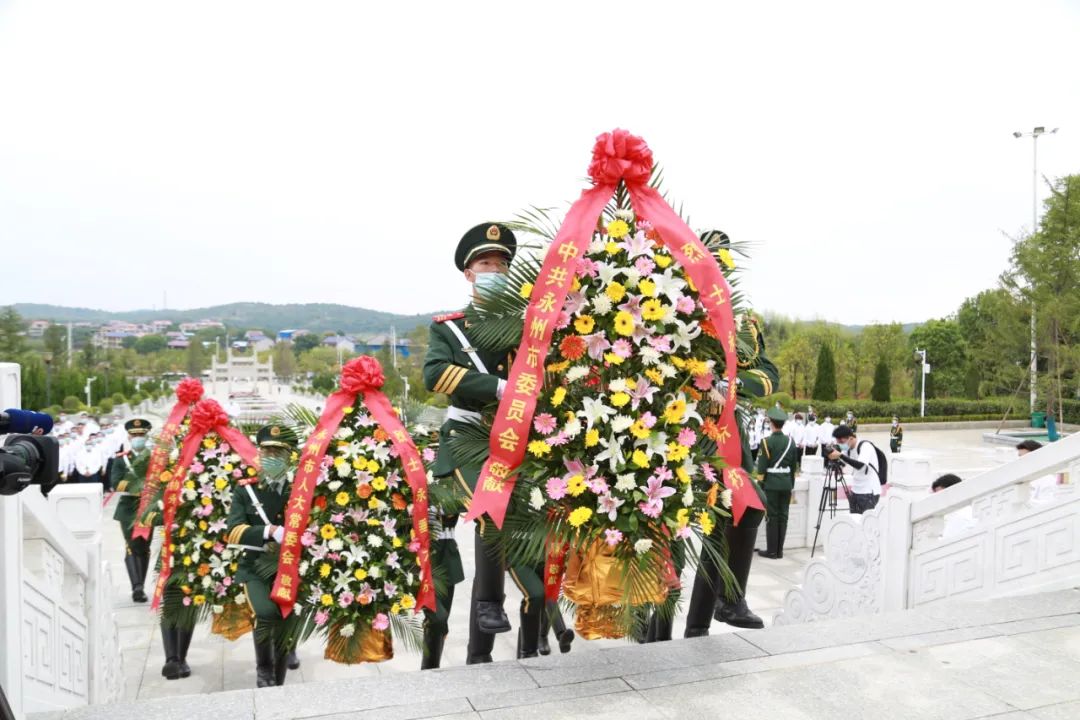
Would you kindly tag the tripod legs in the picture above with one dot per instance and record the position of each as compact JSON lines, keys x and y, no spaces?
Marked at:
{"x":834,"y":479}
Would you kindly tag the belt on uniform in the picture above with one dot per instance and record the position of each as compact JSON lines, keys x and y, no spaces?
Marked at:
{"x":779,"y":471}
{"x":248,"y":547}
{"x":456,"y":413}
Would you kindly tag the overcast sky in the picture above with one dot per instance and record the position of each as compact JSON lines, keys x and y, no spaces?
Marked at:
{"x":335,"y":152}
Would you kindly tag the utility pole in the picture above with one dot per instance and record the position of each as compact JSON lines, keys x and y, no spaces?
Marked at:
{"x":89,"y":397}
{"x":69,"y":346}
{"x":924,"y":370}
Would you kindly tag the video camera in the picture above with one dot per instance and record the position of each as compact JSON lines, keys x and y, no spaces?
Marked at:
{"x":27,"y":457}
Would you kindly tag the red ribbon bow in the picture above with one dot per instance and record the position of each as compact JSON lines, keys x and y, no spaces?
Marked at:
{"x":617,"y":155}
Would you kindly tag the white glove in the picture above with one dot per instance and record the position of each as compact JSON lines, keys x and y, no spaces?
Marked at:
{"x":279,"y":534}
{"x":499,"y":391}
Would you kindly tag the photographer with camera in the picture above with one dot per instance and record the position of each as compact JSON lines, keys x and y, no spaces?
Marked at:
{"x":867,"y":471}
{"x":29,"y":455}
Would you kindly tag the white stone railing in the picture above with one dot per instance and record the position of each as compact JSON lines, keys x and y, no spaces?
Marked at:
{"x":57,"y":629}
{"x":982,"y":538}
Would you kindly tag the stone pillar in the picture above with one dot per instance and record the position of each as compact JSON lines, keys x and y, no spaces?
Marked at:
{"x":11,"y":602}
{"x":910,"y":477}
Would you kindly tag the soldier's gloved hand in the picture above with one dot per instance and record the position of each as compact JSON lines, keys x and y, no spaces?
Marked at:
{"x":499,"y":390}
{"x":279,"y":534}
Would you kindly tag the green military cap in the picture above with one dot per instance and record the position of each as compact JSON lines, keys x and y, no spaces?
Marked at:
{"x":137,"y":426}
{"x":777,"y":414}
{"x":485,"y":237}
{"x":276,"y":436}
{"x":718,"y":236}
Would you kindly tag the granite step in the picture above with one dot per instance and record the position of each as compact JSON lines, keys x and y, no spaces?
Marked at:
{"x":1011,"y":658}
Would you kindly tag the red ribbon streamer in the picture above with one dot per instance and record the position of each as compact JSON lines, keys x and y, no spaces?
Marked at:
{"x":616,"y":156}
{"x":361,"y":376}
{"x":188,"y":393}
{"x":207,"y":416}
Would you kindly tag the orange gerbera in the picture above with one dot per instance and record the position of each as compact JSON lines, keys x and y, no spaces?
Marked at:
{"x":711,"y":430}
{"x":204,"y":569}
{"x":380,"y":435}
{"x":399,"y":501}
{"x":363,"y":490}
{"x":572,"y":347}
{"x":707,"y":328}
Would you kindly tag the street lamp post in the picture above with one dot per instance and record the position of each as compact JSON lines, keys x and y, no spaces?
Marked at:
{"x":89,"y":382}
{"x":1034,"y":135}
{"x":924,"y":370}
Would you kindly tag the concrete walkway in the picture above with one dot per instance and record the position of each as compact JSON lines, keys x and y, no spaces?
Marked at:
{"x":1011,"y":658}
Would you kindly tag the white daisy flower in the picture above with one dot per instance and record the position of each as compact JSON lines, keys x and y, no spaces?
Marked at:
{"x":643,"y":546}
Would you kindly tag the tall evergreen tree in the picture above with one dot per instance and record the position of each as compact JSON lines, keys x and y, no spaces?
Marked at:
{"x":825,"y":383}
{"x":881,"y":391}
{"x":12,"y":340}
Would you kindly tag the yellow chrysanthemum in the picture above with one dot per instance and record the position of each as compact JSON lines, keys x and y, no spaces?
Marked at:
{"x":324,"y":569}
{"x":592,"y":438}
{"x":576,"y":485}
{"x":373,"y":503}
{"x":342,"y":498}
{"x":640,"y":458}
{"x":576,"y":285}
{"x":207,"y":545}
{"x":662,"y":260}
{"x":639,"y":430}
{"x":251,"y":471}
{"x":360,"y":574}
{"x":539,"y":448}
{"x":558,"y":396}
{"x":616,"y":291}
{"x":612,"y":247}
{"x":378,"y":484}
{"x":618,"y":229}
{"x":677,"y":452}
{"x":373,"y":466}
{"x":684,"y":477}
{"x":187,"y":560}
{"x":396,"y":542}
{"x":674,"y":412}
{"x":526,"y":290}
{"x":584,"y":324}
{"x":328,"y":532}
{"x":697,"y":368}
{"x":647,"y":287}
{"x":228,"y":467}
{"x":706,"y":522}
{"x":655,"y":375}
{"x":580,"y":516}
{"x":620,"y":399}
{"x":395,"y":609}
{"x":209,"y":443}
{"x":327,"y":600}
{"x":207,"y":501}
{"x":682,"y":517}
{"x":558,"y":367}
{"x":624,"y":323}
{"x":199,"y":599}
{"x":203,"y":525}
{"x":189,"y":485}
{"x":651,"y":309}
{"x":725,"y":257}
{"x":677,"y":361}
{"x":220,"y":483}
{"x":359,"y":464}
{"x":408,"y":601}
{"x":373,"y":522}
{"x":339,"y":461}
{"x":348,"y":410}
{"x":613,"y":359}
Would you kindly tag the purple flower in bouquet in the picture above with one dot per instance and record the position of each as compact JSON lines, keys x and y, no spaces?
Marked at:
{"x":660,"y":343}
{"x":687,"y":437}
{"x":575,"y":301}
{"x":346,"y":599}
{"x":393,"y":479}
{"x":364,"y":477}
{"x":610,"y":505}
{"x":563,"y":321}
{"x":358,"y":516}
{"x":644,"y":266}
{"x":612,"y":536}
{"x":389,"y":526}
{"x":219,"y":548}
{"x":364,"y":420}
{"x":587,"y":267}
{"x":545,"y":423}
{"x":337,"y":518}
{"x":428,"y":455}
{"x":237,"y":473}
{"x":637,"y":244}
{"x":642,"y":392}
{"x":704,"y":382}
{"x":656,"y":491}
{"x":682,"y":533}
{"x":648,"y":419}
{"x":596,"y":345}
{"x":632,"y":306}
{"x":598,"y":485}
{"x":307,"y":539}
{"x":558,"y":439}
{"x":685,"y":305}
{"x":709,"y":472}
{"x":225,"y":448}
{"x":622,"y":348}
{"x":321,"y":616}
{"x":556,"y":488}
{"x":393,"y":561}
{"x":187,"y":601}
{"x":197,"y":467}
{"x":217,"y":526}
{"x":389,"y":589}
{"x":220,"y":589}
{"x":381,"y":622}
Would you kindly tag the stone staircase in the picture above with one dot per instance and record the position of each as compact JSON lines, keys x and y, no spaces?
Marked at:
{"x":1015,"y":657}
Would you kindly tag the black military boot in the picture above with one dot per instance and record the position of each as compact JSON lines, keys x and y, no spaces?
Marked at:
{"x":740,"y":538}
{"x":529,"y":632}
{"x":434,"y":641}
{"x":131,"y":564}
{"x":140,"y":550}
{"x":563,"y":634}
{"x":183,"y":642}
{"x":171,"y":669}
{"x":281,"y":668}
{"x":660,"y":627}
{"x":738,"y":614}
{"x":264,"y":662}
{"x":543,"y":646}
{"x":488,"y":594}
{"x":781,"y":534}
{"x":699,"y":615}
{"x":772,"y":531}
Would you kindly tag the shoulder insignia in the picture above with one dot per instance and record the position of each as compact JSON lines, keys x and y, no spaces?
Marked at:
{"x":248,"y":481}
{"x":449,"y":316}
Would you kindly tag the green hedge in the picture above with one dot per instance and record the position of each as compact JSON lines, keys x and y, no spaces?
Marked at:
{"x":937,"y":409}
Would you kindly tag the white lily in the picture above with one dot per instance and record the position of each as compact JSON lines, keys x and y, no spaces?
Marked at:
{"x":595,"y":411}
{"x":606,"y":273}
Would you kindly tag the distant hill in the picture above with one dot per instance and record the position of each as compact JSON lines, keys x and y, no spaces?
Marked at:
{"x":317,"y":317}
